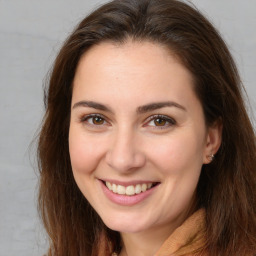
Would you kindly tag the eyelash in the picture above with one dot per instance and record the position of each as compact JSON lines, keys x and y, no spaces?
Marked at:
{"x":168,"y":120}
{"x":91,"y":116}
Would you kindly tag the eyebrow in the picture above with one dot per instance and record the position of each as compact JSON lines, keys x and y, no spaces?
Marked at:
{"x":140,"y":110}
{"x":158,"y":105}
{"x":92,"y":104}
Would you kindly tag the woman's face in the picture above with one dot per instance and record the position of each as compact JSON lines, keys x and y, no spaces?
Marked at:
{"x":137,"y":136}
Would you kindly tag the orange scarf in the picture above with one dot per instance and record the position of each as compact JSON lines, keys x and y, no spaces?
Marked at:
{"x":187,"y":238}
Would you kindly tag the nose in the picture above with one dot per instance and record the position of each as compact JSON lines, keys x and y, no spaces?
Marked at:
{"x":125,"y":154}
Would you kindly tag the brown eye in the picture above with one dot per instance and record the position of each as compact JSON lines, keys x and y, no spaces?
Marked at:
{"x":97,"y":120}
{"x":159,"y":122}
{"x":94,"y":119}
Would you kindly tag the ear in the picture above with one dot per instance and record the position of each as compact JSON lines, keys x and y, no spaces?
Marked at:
{"x":213,"y":141}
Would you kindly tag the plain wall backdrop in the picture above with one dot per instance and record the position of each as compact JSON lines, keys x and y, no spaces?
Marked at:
{"x":31,"y":32}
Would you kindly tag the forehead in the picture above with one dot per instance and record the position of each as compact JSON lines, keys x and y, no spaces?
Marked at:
{"x":143,"y":70}
{"x":132,"y":55}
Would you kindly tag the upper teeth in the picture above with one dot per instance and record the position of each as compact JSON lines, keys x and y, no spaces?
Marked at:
{"x":129,"y":190}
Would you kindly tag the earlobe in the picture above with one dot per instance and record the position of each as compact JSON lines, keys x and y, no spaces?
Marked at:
{"x":210,"y":157}
{"x":213,"y":141}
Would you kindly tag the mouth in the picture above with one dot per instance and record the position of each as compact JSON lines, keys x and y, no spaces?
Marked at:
{"x":130,"y":190}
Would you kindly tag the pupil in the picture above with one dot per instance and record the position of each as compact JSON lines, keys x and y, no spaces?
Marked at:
{"x":160,"y":122}
{"x":97,"y":120}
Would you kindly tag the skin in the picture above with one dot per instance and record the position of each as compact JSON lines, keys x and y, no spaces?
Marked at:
{"x":127,"y":143}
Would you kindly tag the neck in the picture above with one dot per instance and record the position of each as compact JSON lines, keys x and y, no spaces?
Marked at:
{"x":148,"y":242}
{"x":142,"y":244}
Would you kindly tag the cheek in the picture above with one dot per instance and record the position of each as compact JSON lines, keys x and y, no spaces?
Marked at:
{"x":84,"y":153}
{"x":179,"y":153}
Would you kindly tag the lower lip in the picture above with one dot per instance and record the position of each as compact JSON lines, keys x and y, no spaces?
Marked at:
{"x":124,"y":199}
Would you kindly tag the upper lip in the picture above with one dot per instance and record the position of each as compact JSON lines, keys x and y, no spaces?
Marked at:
{"x":128,"y":183}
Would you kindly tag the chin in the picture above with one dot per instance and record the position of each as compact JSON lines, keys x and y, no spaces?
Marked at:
{"x":124,"y":225}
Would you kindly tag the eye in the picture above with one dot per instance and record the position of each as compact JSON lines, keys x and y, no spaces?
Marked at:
{"x":94,"y":119}
{"x":160,"y":121}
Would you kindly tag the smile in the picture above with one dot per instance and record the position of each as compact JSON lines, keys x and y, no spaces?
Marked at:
{"x":129,"y":190}
{"x":128,"y":193}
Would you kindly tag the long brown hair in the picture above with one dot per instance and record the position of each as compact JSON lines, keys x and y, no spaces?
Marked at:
{"x":226,"y":187}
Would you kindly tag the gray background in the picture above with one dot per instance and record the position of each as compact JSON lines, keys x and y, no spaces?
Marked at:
{"x":31,"y":32}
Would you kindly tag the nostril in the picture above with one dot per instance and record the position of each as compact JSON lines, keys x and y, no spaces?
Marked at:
{"x":123,"y":163}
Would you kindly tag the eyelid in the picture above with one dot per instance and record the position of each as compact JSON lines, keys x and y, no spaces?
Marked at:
{"x":168,"y":119}
{"x":84,"y":119}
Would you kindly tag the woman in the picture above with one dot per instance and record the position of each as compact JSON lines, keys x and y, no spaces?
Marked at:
{"x":146,"y":147}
